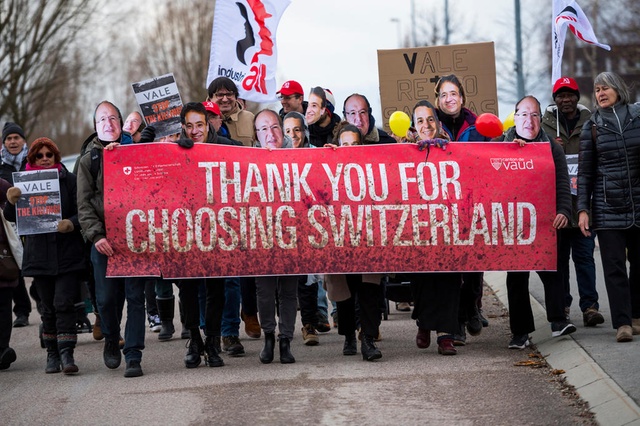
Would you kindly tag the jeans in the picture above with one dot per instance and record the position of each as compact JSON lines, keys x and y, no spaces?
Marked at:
{"x":572,"y":243}
{"x":231,"y":311}
{"x":323,"y":306}
{"x":108,"y":299}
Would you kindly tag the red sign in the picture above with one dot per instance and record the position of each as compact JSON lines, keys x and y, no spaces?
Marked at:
{"x":217,"y":210}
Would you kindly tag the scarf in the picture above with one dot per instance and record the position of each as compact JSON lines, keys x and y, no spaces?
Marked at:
{"x":14,"y":161}
{"x":34,"y":167}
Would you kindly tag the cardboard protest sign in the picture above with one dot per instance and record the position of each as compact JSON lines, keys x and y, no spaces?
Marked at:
{"x":410,"y":75}
{"x":160,"y":103}
{"x":218,"y":210}
{"x":38,"y":210}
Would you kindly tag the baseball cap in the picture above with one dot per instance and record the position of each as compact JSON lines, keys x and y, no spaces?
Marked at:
{"x":212,"y":107}
{"x":289,"y":88}
{"x":565,"y":84}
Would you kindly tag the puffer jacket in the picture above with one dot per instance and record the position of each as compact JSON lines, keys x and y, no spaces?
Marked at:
{"x":609,"y":167}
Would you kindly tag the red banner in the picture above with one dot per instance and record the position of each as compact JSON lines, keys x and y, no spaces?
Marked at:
{"x":217,"y":210}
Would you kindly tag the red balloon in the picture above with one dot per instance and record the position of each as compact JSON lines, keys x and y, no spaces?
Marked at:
{"x":489,"y":125}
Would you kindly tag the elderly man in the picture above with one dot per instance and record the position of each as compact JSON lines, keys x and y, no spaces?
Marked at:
{"x":357,"y":111}
{"x":237,"y":121}
{"x":527,"y":129}
{"x":563,"y":121}
{"x":108,"y":125}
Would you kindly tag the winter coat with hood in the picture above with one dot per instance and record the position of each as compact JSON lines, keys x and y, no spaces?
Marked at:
{"x":54,"y":253}
{"x":609,"y":167}
{"x":319,"y":136}
{"x":467,"y":121}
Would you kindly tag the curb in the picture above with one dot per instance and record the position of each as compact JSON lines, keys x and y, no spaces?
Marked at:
{"x":608,"y":401}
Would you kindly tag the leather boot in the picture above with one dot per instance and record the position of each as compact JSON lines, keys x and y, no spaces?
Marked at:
{"x":68,"y":364}
{"x":53,"y":356}
{"x":266,"y":355}
{"x":368,"y":348}
{"x":211,"y":357}
{"x":166,"y":311}
{"x":195,"y":348}
{"x":350,"y":344}
{"x":286,"y":357}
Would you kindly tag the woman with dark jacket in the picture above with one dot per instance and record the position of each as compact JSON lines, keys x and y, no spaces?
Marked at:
{"x":609,"y":196}
{"x":55,"y":260}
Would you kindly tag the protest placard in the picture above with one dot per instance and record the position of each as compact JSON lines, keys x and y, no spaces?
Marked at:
{"x":410,"y":75}
{"x":217,"y":210}
{"x":38,"y":209}
{"x":160,"y":103}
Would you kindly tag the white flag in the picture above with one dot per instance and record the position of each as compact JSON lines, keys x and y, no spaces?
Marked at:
{"x":243,"y":46}
{"x":567,"y":14}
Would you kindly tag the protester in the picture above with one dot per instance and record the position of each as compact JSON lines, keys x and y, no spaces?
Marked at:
{"x":527,"y":129}
{"x":269,"y":135}
{"x":357,"y":111}
{"x":291,"y":96}
{"x":320,"y":117}
{"x":295,"y":126}
{"x":563,"y":122}
{"x":237,"y":121}
{"x":55,"y":260}
{"x":134,"y":124}
{"x":107,"y":121}
{"x":346,"y":134}
{"x":608,"y":195}
{"x":11,"y":250}
{"x":459,"y":124}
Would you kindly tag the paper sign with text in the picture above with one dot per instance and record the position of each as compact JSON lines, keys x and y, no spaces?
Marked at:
{"x":160,"y":104}
{"x":217,"y":210}
{"x":38,"y":210}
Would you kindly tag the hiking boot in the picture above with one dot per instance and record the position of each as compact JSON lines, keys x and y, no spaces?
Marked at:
{"x":97,"y":329}
{"x":624,"y":334}
{"x":133,"y":369}
{"x":111,"y":354}
{"x":368,"y":348}
{"x":310,"y":335}
{"x":251,"y":325}
{"x":561,"y":328}
{"x":350,"y":345}
{"x":592,"y":317}
{"x":323,"y":323}
{"x":232,"y":345}
{"x":519,"y":341}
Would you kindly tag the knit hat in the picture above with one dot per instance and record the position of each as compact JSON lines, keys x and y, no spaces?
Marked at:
{"x":331,"y":100}
{"x":37,"y":145}
{"x":565,"y":84}
{"x":11,"y":128}
{"x":289,"y":88}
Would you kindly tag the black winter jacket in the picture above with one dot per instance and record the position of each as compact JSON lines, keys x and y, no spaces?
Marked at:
{"x":609,"y":168}
{"x":54,"y":253}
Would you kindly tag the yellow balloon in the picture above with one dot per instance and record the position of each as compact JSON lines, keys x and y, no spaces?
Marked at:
{"x":399,"y":122}
{"x":508,"y":122}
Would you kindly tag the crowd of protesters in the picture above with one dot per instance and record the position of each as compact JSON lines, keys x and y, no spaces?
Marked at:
{"x":69,"y":263}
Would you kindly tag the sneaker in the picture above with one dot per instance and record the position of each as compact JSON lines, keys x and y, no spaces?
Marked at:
{"x":21,"y":321}
{"x":155,"y":324}
{"x":232,"y":345}
{"x":561,"y":328}
{"x":111,"y":354}
{"x":323,"y":323}
{"x":310,"y":335}
{"x":519,"y":341}
{"x":592,"y":317}
{"x":403,"y":307}
{"x":133,"y":369}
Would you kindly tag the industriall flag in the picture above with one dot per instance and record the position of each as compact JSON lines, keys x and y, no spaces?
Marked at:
{"x":243,"y":46}
{"x":567,"y":14}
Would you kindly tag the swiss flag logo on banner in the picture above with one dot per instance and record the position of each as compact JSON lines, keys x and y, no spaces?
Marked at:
{"x":243,"y":46}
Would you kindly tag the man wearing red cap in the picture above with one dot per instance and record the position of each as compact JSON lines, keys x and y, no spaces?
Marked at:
{"x":563,"y":123}
{"x":291,"y":96}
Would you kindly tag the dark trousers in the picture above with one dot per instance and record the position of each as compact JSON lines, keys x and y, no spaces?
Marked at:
{"x":520,"y":314}
{"x":58,"y":297}
{"x":616,"y":247}
{"x":571,"y":243}
{"x":214,"y":304}
{"x":150,"y":296}
{"x":6,"y":319}
{"x":21,"y":301}
{"x":436,"y":300}
{"x":249,"y":301}
{"x":470,"y":295}
{"x":367,"y":296}
{"x":308,"y":301}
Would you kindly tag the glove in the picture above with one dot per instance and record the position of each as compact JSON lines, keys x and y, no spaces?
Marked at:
{"x":440,"y":143}
{"x":64,"y":226}
{"x":185,"y":143}
{"x":13,"y":194}
{"x":148,"y":134}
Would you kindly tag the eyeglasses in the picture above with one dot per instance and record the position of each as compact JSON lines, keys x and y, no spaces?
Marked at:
{"x":40,"y":155}
{"x":265,"y":129}
{"x":533,"y":115}
{"x":228,"y":95}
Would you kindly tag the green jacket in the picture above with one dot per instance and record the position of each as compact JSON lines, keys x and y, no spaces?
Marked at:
{"x":91,"y":196}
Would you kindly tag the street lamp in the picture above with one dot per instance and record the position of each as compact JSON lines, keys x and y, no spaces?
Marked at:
{"x":397,"y":22}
